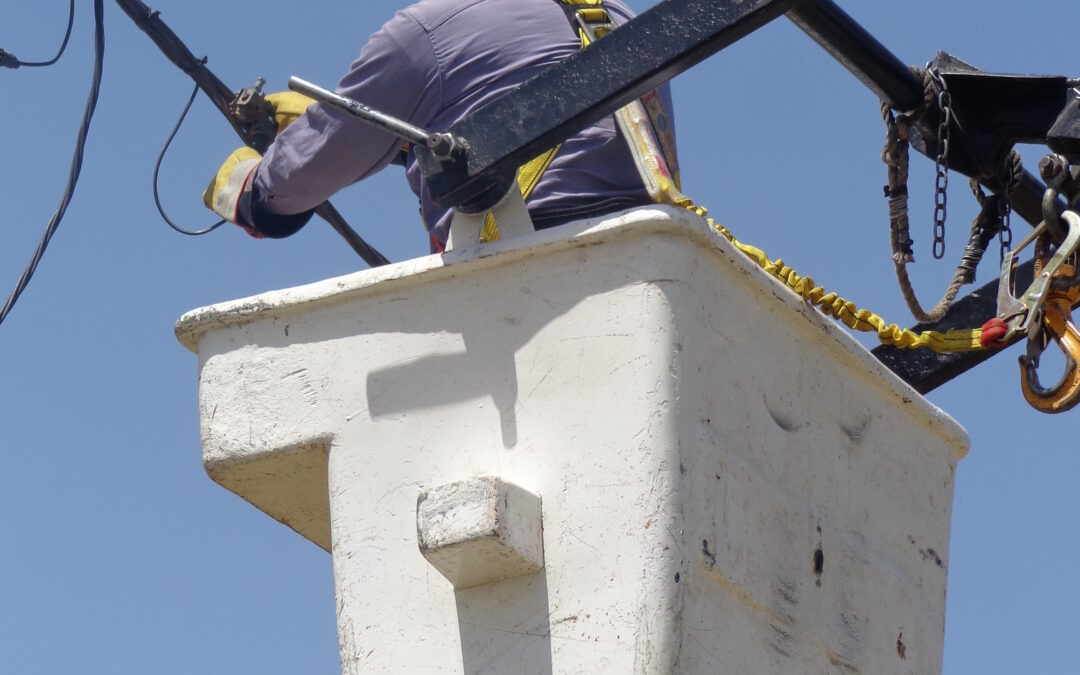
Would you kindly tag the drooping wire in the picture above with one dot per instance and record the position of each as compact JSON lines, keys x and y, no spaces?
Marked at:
{"x":76,"y":161}
{"x":157,"y":169}
{"x":8,"y":59}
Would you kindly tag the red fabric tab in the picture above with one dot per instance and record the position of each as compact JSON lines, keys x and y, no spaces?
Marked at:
{"x":992,"y":333}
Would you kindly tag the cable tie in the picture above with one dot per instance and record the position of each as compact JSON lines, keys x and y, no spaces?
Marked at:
{"x":8,"y":60}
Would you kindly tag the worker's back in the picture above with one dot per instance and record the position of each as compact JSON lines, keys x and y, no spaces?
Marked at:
{"x":431,"y":64}
{"x":481,"y":49}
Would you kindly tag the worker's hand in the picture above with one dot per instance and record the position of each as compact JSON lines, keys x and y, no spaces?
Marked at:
{"x":288,"y":105}
{"x":223,"y":193}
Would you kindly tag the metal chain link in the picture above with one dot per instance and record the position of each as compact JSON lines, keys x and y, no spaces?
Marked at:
{"x":1009,"y":181}
{"x":1005,"y":233}
{"x":941,"y":163}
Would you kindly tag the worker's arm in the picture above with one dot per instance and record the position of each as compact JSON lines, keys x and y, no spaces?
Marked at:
{"x":324,"y":150}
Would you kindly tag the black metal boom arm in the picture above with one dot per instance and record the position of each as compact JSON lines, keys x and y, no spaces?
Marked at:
{"x":666,"y":40}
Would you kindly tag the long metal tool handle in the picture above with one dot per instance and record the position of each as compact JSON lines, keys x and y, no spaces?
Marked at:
{"x":443,"y":145}
{"x":393,"y":125}
{"x":149,"y":21}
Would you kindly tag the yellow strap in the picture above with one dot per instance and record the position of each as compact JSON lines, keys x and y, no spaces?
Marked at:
{"x":831,"y":304}
{"x":528,"y":176}
{"x":530,"y":173}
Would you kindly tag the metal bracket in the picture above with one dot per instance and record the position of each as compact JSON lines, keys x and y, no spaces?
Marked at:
{"x":510,"y":214}
{"x":1064,"y":136}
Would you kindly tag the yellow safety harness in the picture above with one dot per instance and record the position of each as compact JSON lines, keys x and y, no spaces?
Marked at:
{"x":642,"y":123}
{"x":528,"y":176}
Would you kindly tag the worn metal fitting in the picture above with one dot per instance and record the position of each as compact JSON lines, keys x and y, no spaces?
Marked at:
{"x":445,"y":146}
{"x":1051,"y":166}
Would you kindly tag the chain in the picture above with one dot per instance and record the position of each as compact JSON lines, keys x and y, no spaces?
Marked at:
{"x":941,"y":164}
{"x":1007,"y":185}
{"x":1005,"y":233}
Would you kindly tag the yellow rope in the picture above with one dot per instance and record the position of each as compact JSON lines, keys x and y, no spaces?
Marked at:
{"x":831,"y":304}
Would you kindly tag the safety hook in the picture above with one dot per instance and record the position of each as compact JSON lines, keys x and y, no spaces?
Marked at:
{"x":1057,"y":323}
{"x":1016,"y":315}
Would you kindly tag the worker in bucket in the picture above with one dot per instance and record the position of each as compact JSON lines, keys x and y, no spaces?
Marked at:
{"x":430,"y":65}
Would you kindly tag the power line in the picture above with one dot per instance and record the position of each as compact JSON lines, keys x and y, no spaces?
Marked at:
{"x":157,"y":170}
{"x":76,"y":162}
{"x":8,"y":60}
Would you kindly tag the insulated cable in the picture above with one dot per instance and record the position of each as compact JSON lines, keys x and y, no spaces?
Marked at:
{"x":157,"y":169}
{"x":8,"y":60}
{"x":76,"y":161}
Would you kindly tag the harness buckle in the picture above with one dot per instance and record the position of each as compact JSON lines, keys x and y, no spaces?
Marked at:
{"x":594,"y":23}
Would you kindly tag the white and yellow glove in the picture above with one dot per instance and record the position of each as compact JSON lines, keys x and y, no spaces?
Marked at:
{"x":222,"y":195}
{"x":233,"y":179}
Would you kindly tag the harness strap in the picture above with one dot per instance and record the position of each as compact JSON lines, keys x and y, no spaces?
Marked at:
{"x":528,"y":176}
{"x":592,"y":21}
{"x":654,"y":153}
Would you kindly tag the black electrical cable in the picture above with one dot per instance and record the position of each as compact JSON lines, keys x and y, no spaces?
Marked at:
{"x":8,"y":59}
{"x":76,"y":161}
{"x":157,"y":169}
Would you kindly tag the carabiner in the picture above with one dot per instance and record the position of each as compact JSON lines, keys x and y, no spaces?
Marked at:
{"x":1055,"y":323}
{"x":1016,"y":314}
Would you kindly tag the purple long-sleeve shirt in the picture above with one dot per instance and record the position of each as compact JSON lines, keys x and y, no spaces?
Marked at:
{"x":430,"y":65}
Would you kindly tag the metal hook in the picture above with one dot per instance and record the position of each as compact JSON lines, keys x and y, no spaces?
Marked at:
{"x":1017,"y":313}
{"x":1056,"y":322}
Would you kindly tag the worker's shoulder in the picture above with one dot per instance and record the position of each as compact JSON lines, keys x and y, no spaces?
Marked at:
{"x":434,"y":14}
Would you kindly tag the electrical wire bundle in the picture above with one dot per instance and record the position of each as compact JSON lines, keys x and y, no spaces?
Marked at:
{"x":149,"y":21}
{"x":7,"y":59}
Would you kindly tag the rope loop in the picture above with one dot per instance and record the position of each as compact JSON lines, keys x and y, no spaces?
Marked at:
{"x":896,"y":156}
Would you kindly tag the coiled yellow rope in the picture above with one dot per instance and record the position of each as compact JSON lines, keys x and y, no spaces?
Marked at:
{"x":831,"y":304}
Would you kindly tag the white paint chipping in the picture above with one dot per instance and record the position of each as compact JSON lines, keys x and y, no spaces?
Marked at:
{"x":730,"y":482}
{"x":480,"y":531}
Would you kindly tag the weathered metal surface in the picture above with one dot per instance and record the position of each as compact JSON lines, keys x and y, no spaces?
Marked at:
{"x":887,"y":76}
{"x":1064,"y":136}
{"x":860,"y":52}
{"x":925,"y":370}
{"x":992,"y":119}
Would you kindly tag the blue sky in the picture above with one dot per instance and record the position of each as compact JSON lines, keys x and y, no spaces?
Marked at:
{"x":121,"y":556}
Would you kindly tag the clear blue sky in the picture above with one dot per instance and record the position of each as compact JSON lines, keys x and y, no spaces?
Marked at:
{"x":119,"y":555}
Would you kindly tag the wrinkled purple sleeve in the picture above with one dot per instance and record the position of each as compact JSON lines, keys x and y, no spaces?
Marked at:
{"x":431,"y":64}
{"x":325,"y":149}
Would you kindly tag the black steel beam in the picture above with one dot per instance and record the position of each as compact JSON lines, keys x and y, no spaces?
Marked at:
{"x":926,"y":370}
{"x":645,"y":52}
{"x":860,"y":52}
{"x":884,"y":74}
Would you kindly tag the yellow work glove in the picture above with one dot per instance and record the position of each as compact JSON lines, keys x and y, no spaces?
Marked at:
{"x":223,"y":193}
{"x":288,"y":105}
